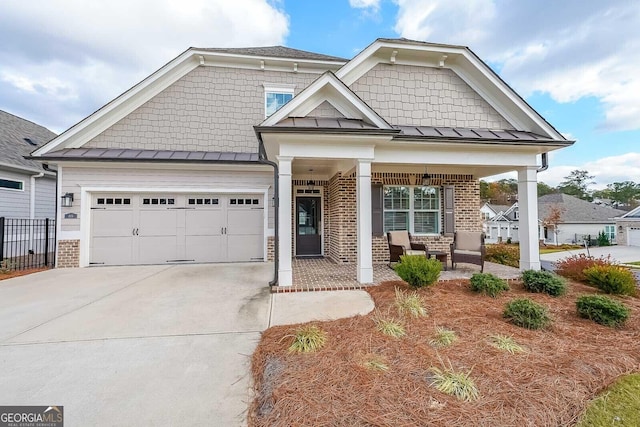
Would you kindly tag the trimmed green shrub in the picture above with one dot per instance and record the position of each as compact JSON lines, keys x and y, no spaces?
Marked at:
{"x":488,"y":284}
{"x":503,"y":254}
{"x":527,"y":314}
{"x":611,"y":279}
{"x":602,"y":309}
{"x":543,"y":282}
{"x":418,"y":271}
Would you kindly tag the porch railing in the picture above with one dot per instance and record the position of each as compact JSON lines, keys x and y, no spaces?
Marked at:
{"x":27,"y":243}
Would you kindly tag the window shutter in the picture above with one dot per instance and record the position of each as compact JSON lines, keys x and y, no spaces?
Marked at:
{"x":376,"y":210}
{"x":449,"y":216}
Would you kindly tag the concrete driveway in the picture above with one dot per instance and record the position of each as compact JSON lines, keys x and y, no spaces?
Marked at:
{"x":150,"y":345}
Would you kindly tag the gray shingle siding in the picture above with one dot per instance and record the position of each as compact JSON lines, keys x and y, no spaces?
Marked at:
{"x":45,"y":198}
{"x":410,"y":95}
{"x":209,"y":109}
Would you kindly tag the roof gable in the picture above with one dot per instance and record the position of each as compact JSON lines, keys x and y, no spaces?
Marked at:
{"x":462,"y":61}
{"x":328,"y":88}
{"x":632,"y":214}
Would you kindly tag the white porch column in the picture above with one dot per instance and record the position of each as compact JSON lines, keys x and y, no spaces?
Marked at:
{"x":363,"y":203}
{"x":528,"y":206}
{"x":285,"y":272}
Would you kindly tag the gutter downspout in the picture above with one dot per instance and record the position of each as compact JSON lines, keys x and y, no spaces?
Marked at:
{"x":545,"y":163}
{"x":46,"y":167}
{"x":262,"y":158}
{"x":32,"y":205}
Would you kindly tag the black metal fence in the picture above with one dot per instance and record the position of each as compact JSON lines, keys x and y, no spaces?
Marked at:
{"x":27,"y":243}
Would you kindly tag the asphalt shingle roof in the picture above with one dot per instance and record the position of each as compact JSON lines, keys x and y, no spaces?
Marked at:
{"x":276,"y":52}
{"x":575,"y":210}
{"x":13,"y":146}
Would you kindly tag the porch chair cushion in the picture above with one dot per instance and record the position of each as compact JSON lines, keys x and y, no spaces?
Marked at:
{"x":468,"y":247}
{"x":400,"y":244}
{"x":400,"y":238}
{"x":468,"y":241}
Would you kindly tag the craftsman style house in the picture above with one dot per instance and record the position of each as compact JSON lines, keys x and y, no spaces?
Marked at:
{"x":255,"y":154}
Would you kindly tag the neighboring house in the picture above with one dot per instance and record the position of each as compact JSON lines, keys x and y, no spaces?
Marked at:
{"x":628,"y":228}
{"x":253,"y":154}
{"x":503,"y":226}
{"x":563,"y":219}
{"x":26,"y":189}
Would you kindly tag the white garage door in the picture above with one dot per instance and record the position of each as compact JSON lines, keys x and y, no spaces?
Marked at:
{"x":634,"y":236}
{"x":156,"y":229}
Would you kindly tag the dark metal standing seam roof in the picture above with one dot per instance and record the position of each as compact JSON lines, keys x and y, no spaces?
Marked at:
{"x":109,"y":154}
{"x":474,"y":134}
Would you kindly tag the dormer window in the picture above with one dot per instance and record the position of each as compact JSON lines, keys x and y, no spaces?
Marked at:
{"x":275,"y":97}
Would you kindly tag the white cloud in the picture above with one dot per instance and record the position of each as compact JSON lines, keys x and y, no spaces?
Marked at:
{"x":77,"y":55}
{"x":606,"y":170}
{"x":570,"y":50}
{"x":365,"y":4}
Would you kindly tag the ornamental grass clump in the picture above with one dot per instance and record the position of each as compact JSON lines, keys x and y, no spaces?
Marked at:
{"x":612,"y":279}
{"x":389,"y":326}
{"x":410,"y":304}
{"x":603,"y":310}
{"x":418,"y":271}
{"x":488,"y":284}
{"x":458,"y":384}
{"x":506,"y":343}
{"x":307,"y":339}
{"x":544,"y":282}
{"x":443,"y":337}
{"x":527,"y":314}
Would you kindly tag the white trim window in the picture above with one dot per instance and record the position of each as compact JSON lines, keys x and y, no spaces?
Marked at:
{"x":610,"y":232}
{"x":11,"y":184}
{"x":416,"y":209}
{"x":275,"y":97}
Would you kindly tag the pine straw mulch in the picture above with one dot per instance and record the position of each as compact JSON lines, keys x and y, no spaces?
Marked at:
{"x":549,"y":385}
{"x":18,"y":273}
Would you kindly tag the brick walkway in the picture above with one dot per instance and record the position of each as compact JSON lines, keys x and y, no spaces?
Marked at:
{"x":323,"y":274}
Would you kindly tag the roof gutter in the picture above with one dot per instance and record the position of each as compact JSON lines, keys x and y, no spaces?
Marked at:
{"x":262,"y":158}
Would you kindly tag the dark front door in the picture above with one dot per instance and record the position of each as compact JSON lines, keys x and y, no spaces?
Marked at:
{"x":308,"y":237}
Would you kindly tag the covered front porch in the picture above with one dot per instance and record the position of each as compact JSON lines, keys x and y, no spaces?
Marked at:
{"x":324,"y":274}
{"x":350,"y":233}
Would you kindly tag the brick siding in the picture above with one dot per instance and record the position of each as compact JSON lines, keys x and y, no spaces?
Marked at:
{"x":68,"y":254}
{"x":342,"y":214}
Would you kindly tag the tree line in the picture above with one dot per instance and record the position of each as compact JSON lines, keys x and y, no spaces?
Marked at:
{"x":578,"y":183}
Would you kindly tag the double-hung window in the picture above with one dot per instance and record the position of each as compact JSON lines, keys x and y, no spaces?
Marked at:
{"x":415,"y":209}
{"x":610,"y":232}
{"x":275,"y":97}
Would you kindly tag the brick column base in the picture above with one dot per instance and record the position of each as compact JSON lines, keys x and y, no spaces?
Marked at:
{"x":68,"y":254}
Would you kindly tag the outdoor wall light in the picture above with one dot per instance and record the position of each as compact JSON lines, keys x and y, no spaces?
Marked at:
{"x":67,"y":200}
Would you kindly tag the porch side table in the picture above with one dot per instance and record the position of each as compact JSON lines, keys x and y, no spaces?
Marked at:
{"x":440,"y":256}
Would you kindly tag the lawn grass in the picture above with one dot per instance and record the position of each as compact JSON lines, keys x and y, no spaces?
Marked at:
{"x":363,"y":377}
{"x":619,"y":405}
{"x":634,"y":263}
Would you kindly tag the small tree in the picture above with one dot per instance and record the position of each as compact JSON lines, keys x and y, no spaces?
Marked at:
{"x":553,"y":219}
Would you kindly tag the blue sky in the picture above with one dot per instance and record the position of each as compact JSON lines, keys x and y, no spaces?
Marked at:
{"x":576,"y":62}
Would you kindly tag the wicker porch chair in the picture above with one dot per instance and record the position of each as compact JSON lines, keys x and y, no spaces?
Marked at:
{"x":400,"y":244}
{"x":468,"y":246}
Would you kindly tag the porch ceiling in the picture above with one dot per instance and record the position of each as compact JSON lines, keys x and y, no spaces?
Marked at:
{"x":326,"y":168}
